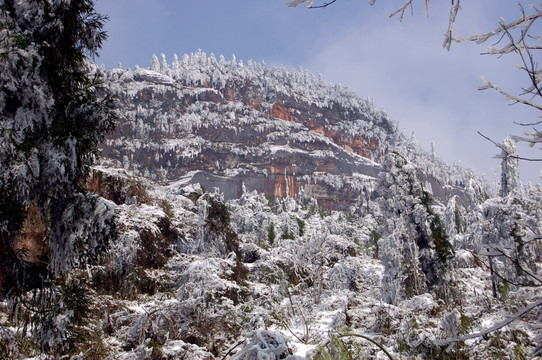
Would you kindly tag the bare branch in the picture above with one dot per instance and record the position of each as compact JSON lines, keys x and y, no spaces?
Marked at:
{"x":528,"y":124}
{"x":323,"y":5}
{"x":490,"y":254}
{"x":368,"y":338}
{"x":533,"y":239}
{"x":500,"y":252}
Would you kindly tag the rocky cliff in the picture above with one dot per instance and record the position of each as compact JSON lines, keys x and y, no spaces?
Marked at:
{"x":225,"y":125}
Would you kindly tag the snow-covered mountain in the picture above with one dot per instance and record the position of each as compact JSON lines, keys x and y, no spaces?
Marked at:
{"x":266,"y":214}
{"x":227,"y":125}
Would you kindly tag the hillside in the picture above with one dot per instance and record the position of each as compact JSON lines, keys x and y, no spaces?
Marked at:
{"x":224,"y":124}
{"x":266,"y":214}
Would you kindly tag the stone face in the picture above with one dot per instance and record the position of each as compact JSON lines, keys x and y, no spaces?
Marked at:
{"x":247,"y":131}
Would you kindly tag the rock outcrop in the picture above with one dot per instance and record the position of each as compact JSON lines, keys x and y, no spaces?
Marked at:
{"x":227,"y":125}
{"x":277,"y":131}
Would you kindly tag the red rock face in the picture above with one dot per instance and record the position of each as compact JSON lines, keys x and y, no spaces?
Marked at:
{"x":280,"y":112}
{"x":229,"y":94}
{"x":229,"y":135}
{"x":286,"y":186}
{"x":255,"y":105}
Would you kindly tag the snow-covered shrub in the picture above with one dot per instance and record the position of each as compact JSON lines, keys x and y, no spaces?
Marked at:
{"x":117,"y":188}
{"x":146,"y":240}
{"x":8,"y":344}
{"x":82,"y":228}
{"x":265,"y":345}
{"x":343,"y":348}
{"x":216,"y":235}
{"x":414,"y":248}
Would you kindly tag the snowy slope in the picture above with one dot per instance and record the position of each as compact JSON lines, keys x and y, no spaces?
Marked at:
{"x":265,"y":214}
{"x":273,"y":130}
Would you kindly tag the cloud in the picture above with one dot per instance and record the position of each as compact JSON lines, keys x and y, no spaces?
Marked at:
{"x":430,"y":91}
{"x":402,"y":66}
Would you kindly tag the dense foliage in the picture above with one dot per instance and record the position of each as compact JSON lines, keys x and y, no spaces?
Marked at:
{"x":54,"y":111}
{"x":53,"y":114}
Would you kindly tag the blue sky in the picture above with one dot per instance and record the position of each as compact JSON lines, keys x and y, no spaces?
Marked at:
{"x":402,"y":66}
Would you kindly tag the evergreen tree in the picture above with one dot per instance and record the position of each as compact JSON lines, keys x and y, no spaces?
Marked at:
{"x":164,"y":67}
{"x":53,"y":114}
{"x":415,"y":246}
{"x":155,"y":63}
{"x":175,"y":66}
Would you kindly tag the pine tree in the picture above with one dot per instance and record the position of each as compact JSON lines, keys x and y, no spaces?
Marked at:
{"x":53,"y":114}
{"x":155,"y":63}
{"x":164,"y":67}
{"x":175,"y":66}
{"x":415,"y":248}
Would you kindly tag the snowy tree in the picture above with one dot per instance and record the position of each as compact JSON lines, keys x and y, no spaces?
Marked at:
{"x":414,"y":248}
{"x":53,"y":113}
{"x":175,"y":66}
{"x":508,"y":235}
{"x":155,"y":64}
{"x":509,"y":167}
{"x":164,"y":67}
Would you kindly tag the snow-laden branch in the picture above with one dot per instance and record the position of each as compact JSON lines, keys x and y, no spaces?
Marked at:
{"x":451,"y":342}
{"x":368,"y":338}
{"x":515,"y":138}
{"x":309,"y":4}
{"x":525,"y":21}
{"x":454,"y":9}
{"x":507,"y":96}
{"x":516,"y":38}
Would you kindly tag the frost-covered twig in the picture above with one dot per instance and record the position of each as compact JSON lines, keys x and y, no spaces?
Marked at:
{"x":523,"y":21}
{"x":495,"y":272}
{"x":232,"y":348}
{"x":285,"y":325}
{"x":514,"y":317}
{"x":520,"y":43}
{"x":305,"y":322}
{"x":512,"y":156}
{"x":454,"y":9}
{"x":517,"y":43}
{"x":516,"y":263}
{"x":536,"y":238}
{"x":380,"y":346}
{"x":507,"y":96}
{"x":402,"y":9}
{"x":323,"y":5}
{"x":309,"y":3}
